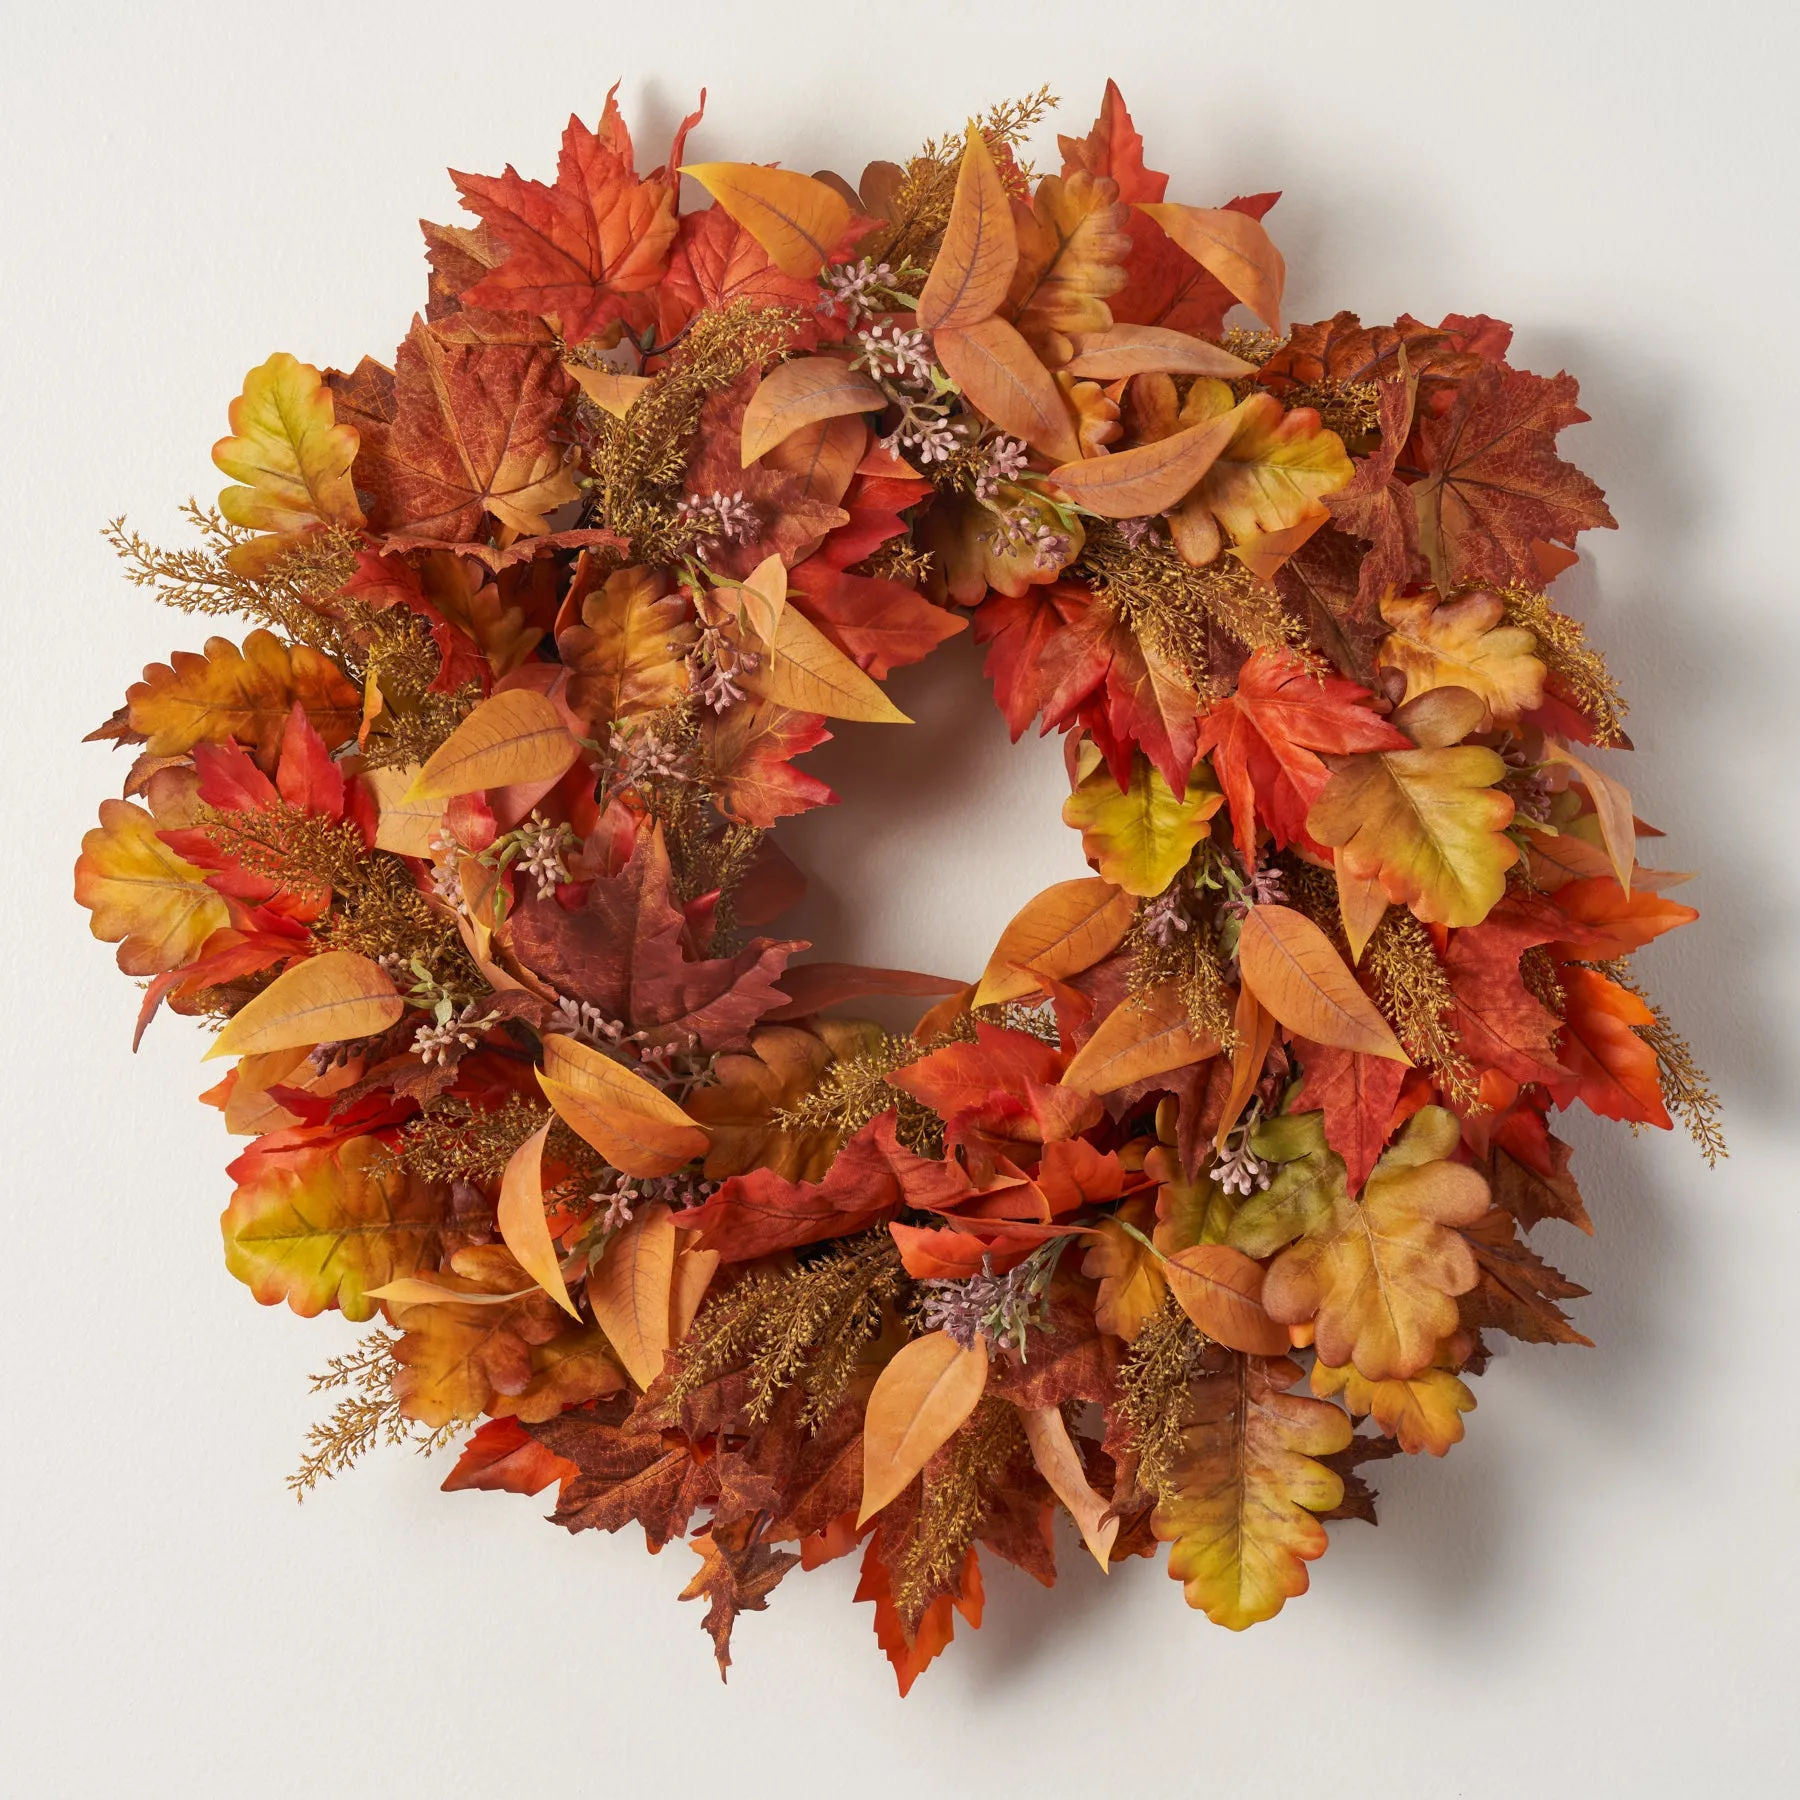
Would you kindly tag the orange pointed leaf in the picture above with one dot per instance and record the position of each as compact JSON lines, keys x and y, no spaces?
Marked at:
{"x":1150,"y":479}
{"x":1232,"y":246}
{"x":633,"y":1124}
{"x":517,"y":736}
{"x":520,"y":1216}
{"x":1058,"y":933}
{"x":1291,"y":967}
{"x":919,"y":1399}
{"x":796,"y":219}
{"x":323,"y":999}
{"x":800,"y":393}
{"x":974,"y":264}
{"x":1220,"y":1289}
{"x":1002,"y":378}
{"x":631,"y":1290}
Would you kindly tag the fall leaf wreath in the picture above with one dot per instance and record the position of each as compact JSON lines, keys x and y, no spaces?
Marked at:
{"x":1211,"y":1189}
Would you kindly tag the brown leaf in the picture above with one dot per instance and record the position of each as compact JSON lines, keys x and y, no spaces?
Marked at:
{"x":737,"y":1573}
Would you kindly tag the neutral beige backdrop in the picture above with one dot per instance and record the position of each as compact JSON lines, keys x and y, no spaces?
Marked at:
{"x":1593,"y":1596}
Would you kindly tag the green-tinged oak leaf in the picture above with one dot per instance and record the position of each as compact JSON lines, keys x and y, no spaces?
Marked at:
{"x":1428,"y":825}
{"x":1241,"y":1522}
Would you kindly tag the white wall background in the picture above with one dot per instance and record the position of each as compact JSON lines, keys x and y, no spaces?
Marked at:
{"x":1595,"y":1594}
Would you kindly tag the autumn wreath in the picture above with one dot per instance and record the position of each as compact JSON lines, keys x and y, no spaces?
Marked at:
{"x":461,"y":853}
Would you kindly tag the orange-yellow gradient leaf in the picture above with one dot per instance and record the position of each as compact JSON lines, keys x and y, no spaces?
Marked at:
{"x":288,"y":451}
{"x":810,"y":674}
{"x":1141,"y":836}
{"x":1123,"y":350}
{"x":517,"y":736}
{"x":1002,"y":378}
{"x":796,"y":219}
{"x":763,"y":597}
{"x":1462,"y":643}
{"x":1428,"y":825}
{"x":1220,"y":1289}
{"x":153,"y":904}
{"x":1058,"y":933}
{"x":1149,"y":479}
{"x":1129,"y":1273}
{"x":1231,"y":246}
{"x":323,"y":1227}
{"x":1072,"y":251}
{"x":1240,"y":1522}
{"x":919,"y":1399}
{"x":1140,"y":1037}
{"x":626,"y":657}
{"x":974,"y":265}
{"x":1424,"y":1412}
{"x":225,"y":693}
{"x":324,"y":999}
{"x":631,"y":1291}
{"x":520,"y":1216}
{"x":1275,"y":470}
{"x":1292,"y":968}
{"x":633,"y":1124}
{"x":1379,"y":1277}
{"x":800,"y":393}
{"x":1059,"y":1462}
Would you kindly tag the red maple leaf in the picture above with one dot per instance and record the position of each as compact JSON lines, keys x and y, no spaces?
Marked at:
{"x":876,"y":499}
{"x":715,"y":261}
{"x":1358,"y":1095}
{"x":1500,"y":1023}
{"x":505,"y":1457}
{"x":1018,"y":630}
{"x":587,"y":249}
{"x":871,"y":1178}
{"x":621,"y":949}
{"x":1604,"y":922}
{"x":749,"y":752}
{"x":881,"y":625}
{"x":1114,"y":149}
{"x":1489,"y":481}
{"x":464,"y":426}
{"x":1265,"y":741}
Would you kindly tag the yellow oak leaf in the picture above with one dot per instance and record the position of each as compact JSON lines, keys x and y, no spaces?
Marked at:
{"x":1072,"y":250}
{"x":225,"y":693}
{"x":153,"y":904}
{"x":321,"y":1227}
{"x":475,"y":1342}
{"x":1273,"y":473}
{"x":1428,"y":825}
{"x":1462,"y":643}
{"x":1240,"y":1522}
{"x":1379,"y":1278}
{"x":1130,"y":1277}
{"x":1423,"y":1411}
{"x":1141,"y":836}
{"x":627,"y":656}
{"x":288,"y":450}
